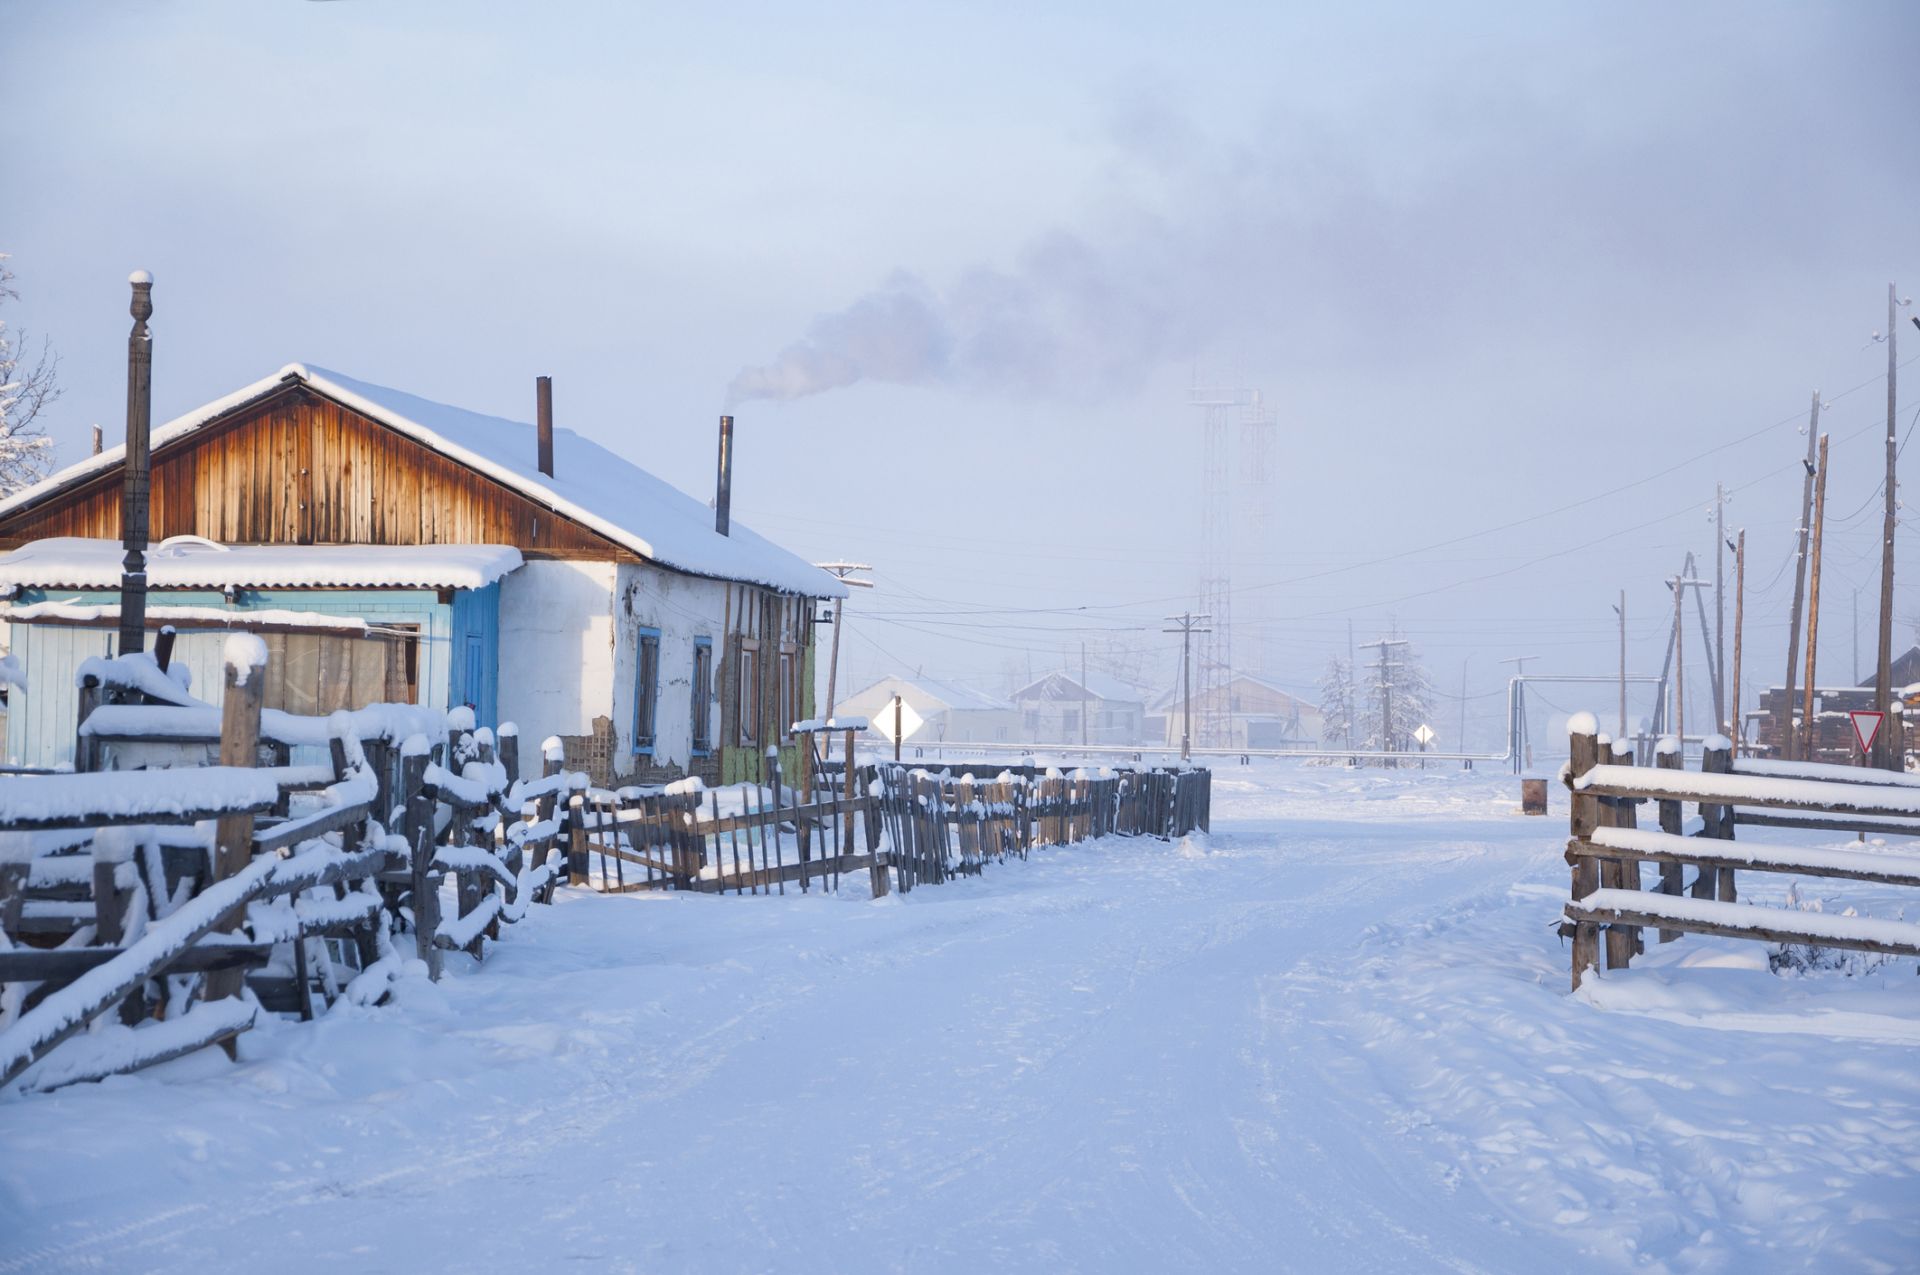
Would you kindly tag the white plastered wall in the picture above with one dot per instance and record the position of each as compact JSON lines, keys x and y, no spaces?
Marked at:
{"x":557,"y":650}
{"x":682,"y":608}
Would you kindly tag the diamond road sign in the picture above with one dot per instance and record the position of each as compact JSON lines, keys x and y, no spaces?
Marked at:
{"x":1425,"y":735}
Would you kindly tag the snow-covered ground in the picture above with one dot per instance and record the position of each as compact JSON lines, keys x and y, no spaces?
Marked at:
{"x":1337,"y":1036}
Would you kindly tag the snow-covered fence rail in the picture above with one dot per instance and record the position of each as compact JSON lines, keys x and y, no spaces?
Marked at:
{"x":1608,"y":902}
{"x":181,"y":896}
{"x":761,"y":841}
{"x":161,"y":924}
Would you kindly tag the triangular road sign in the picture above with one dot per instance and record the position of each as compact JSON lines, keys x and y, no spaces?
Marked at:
{"x":1866,"y":725}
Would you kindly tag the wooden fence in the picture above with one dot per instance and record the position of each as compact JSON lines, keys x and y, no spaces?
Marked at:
{"x":1609,"y":903}
{"x":112,"y":899}
{"x":902,"y":827}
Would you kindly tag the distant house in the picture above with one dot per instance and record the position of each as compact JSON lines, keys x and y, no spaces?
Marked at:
{"x":400,"y":549}
{"x":1071,"y":708}
{"x":932,"y":711}
{"x":1256,"y":714}
{"x":1834,"y":739}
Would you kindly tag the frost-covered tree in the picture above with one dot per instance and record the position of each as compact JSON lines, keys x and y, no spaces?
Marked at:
{"x":1399,"y":700}
{"x":1337,"y":727}
{"x":28,"y":385}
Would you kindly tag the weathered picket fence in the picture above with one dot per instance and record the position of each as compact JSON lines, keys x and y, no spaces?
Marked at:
{"x":903,"y":827}
{"x":190,"y":898}
{"x":1609,"y":902}
{"x":942,"y":825}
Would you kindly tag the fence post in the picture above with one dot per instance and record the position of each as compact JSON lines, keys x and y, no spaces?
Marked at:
{"x":508,"y":738}
{"x":246,"y":659}
{"x":1583,"y":752}
{"x":1666,"y":756}
{"x":1717,"y":759}
{"x":1619,"y":874}
{"x":577,"y":838}
{"x":417,"y":826}
{"x":83,"y":746}
{"x":379,"y":759}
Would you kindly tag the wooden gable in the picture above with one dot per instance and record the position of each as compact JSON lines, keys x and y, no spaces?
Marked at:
{"x":296,"y":467}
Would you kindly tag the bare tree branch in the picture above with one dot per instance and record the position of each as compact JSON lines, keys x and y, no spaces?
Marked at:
{"x":28,"y":386}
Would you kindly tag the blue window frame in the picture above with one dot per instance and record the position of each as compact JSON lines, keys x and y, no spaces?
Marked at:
{"x":646,"y":690}
{"x":702,"y":696}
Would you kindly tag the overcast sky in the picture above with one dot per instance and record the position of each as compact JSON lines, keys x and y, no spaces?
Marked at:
{"x":957,"y":268}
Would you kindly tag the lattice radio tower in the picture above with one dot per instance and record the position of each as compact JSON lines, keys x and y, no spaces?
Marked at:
{"x":1254,"y":520}
{"x":1220,"y":408}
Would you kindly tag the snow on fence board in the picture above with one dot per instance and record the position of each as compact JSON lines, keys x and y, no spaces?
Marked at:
{"x":902,"y":826}
{"x":1608,"y":905}
{"x":190,"y":932}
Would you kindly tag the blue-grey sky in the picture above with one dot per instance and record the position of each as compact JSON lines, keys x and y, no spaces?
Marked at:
{"x":1483,"y":261}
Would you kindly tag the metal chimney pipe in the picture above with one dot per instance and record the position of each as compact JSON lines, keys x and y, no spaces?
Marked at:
{"x":543,"y":394}
{"x":723,"y":490}
{"x":135,"y":466}
{"x":99,"y":441}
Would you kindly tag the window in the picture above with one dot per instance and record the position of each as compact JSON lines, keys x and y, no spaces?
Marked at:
{"x":747,"y":693}
{"x":646,"y":691}
{"x":789,"y":695}
{"x":1070,"y":721}
{"x":702,"y":696}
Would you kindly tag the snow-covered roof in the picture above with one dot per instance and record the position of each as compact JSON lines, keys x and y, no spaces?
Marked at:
{"x":187,"y":562}
{"x":1070,"y":686}
{"x":190,"y":617}
{"x":950,"y":694}
{"x":591,"y":485}
{"x":1170,"y":698}
{"x":954,"y":695}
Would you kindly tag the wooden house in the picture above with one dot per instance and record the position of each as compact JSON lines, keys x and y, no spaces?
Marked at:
{"x":397,"y":548}
{"x":1073,"y":708}
{"x":1253,"y":712}
{"x":1834,"y":740}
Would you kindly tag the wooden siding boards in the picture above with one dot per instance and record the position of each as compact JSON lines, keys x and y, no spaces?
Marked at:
{"x":298,"y":468}
{"x":295,"y":467}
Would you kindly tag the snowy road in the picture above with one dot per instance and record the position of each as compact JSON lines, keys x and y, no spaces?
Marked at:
{"x":1337,"y":1037}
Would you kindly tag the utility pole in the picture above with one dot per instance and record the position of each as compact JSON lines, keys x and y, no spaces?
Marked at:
{"x":1085,"y":694}
{"x":1621,"y":611}
{"x":1813,"y":604}
{"x":843,"y":572}
{"x":1353,"y":685}
{"x":1883,"y":671}
{"x":1679,"y":664}
{"x":1387,"y":667}
{"x":1739,"y":624}
{"x":1680,"y":584}
{"x":1719,"y":609}
{"x":1786,"y":734}
{"x":1186,"y":620}
{"x":1463,"y":702}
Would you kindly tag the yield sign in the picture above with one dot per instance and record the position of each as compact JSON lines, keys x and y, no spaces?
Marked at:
{"x":1866,"y":724}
